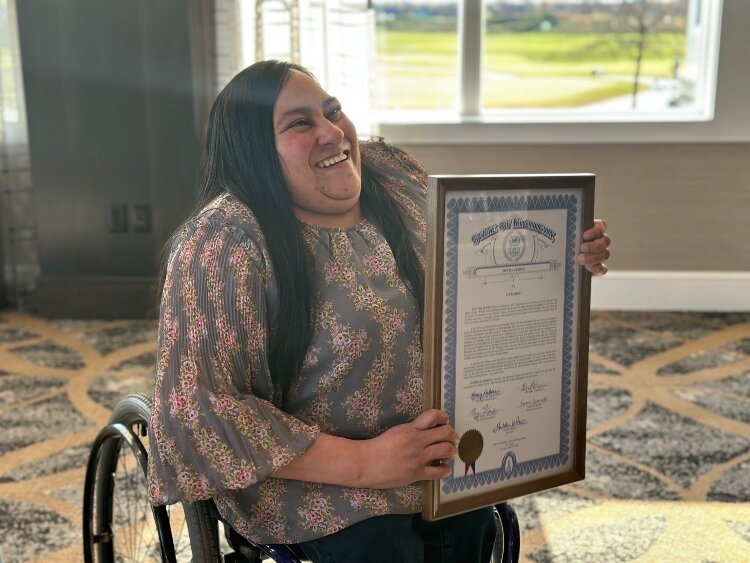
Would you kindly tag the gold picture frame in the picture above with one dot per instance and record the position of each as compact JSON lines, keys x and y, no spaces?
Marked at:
{"x":506,"y":333}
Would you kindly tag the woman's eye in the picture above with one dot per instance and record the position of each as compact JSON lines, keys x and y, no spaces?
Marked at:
{"x":334,"y":114}
{"x":299,"y":123}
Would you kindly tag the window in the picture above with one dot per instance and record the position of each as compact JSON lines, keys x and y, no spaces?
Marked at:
{"x":9,"y":102}
{"x":12,"y":106}
{"x":475,"y":63}
{"x":546,"y":60}
{"x":333,"y":38}
{"x":416,"y":61}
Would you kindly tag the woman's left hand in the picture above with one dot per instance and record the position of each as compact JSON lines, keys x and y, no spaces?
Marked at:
{"x":594,"y":249}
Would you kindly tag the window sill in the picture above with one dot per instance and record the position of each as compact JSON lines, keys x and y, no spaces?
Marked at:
{"x":558,"y":127}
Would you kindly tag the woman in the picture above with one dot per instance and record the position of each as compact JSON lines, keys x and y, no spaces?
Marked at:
{"x":289,"y":383}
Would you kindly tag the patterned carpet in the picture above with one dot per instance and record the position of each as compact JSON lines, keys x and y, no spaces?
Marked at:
{"x":668,"y":466}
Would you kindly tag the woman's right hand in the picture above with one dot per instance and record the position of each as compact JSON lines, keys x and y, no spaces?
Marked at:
{"x":415,"y":451}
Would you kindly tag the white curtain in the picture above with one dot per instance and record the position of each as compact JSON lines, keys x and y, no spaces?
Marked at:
{"x":335,"y":39}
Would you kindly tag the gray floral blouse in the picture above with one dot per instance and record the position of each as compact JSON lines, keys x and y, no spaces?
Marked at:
{"x":218,"y":430}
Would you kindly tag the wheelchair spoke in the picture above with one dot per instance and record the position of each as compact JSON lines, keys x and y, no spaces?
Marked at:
{"x":119,"y":524}
{"x":179,"y":527}
{"x":135,"y":535}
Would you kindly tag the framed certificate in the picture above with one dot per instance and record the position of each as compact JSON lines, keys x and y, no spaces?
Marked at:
{"x":506,"y":333}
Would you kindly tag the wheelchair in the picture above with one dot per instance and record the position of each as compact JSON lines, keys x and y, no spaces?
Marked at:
{"x":119,"y":524}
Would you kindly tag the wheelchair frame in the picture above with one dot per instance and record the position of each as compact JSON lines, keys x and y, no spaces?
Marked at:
{"x":122,"y":439}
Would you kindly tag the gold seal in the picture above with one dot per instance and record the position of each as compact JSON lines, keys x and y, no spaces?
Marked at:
{"x":470,"y":446}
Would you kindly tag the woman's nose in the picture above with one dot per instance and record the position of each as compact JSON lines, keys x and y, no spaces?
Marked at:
{"x":330,"y":134}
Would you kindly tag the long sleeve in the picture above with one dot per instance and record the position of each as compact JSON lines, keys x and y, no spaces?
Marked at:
{"x":214,"y":427}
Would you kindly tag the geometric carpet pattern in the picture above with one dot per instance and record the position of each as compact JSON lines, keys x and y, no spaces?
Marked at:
{"x":668,"y":441}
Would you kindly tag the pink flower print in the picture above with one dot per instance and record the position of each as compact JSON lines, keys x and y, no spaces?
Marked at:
{"x":376,"y":380}
{"x":170,"y":329}
{"x":362,"y":297}
{"x":388,"y":336}
{"x":259,"y":433}
{"x":200,"y":487}
{"x":236,"y":256}
{"x":359,"y":497}
{"x":319,"y":503}
{"x":168,"y":447}
{"x":378,"y":310}
{"x":379,"y":503}
{"x":359,"y":402}
{"x":264,"y":514}
{"x":222,"y":458}
{"x":207,"y":254}
{"x":355,"y":347}
{"x":407,"y":400}
{"x":332,"y":271}
{"x":340,"y":340}
{"x":177,"y":403}
{"x":153,"y":491}
{"x":243,"y":476}
{"x":319,"y":409}
{"x":340,"y":368}
{"x":184,"y":477}
{"x":224,"y":405}
{"x":207,"y":443}
{"x":376,"y":264}
{"x":281,"y":460}
{"x":311,"y":359}
{"x":276,"y":528}
{"x":411,"y":498}
{"x":370,"y":414}
{"x":416,"y":385}
{"x":188,"y":367}
{"x":349,"y":275}
{"x":314,"y":518}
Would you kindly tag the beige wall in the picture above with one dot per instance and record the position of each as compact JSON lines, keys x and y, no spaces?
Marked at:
{"x":668,"y":206}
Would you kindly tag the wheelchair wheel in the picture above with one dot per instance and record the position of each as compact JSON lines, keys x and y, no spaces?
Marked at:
{"x":119,"y":524}
{"x":508,"y":537}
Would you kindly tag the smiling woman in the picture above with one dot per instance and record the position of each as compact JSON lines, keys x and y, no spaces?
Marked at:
{"x":319,"y":153}
{"x":289,"y":382}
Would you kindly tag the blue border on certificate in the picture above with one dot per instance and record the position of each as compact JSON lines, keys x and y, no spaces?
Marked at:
{"x":509,"y":467}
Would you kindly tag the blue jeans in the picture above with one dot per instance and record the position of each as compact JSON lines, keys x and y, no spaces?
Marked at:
{"x":406,"y":538}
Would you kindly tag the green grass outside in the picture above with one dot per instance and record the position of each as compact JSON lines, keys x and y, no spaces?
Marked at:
{"x":419,"y":70}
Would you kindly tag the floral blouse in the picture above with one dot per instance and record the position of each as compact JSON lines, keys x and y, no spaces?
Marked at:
{"x":217,"y":429}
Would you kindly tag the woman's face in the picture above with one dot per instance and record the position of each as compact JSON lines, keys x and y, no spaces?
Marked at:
{"x":317,"y":145}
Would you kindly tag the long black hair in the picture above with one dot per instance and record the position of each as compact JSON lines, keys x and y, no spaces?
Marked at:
{"x":240,"y":157}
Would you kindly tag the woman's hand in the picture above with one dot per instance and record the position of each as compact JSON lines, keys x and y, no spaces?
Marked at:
{"x":415,"y":451}
{"x":594,"y":249}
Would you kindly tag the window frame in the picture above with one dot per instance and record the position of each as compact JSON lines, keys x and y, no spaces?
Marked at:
{"x":471,"y":125}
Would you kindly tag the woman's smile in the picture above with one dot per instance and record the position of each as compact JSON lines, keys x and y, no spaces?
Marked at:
{"x":319,"y":153}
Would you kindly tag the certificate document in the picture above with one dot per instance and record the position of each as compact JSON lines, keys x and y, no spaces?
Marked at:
{"x":505,"y":342}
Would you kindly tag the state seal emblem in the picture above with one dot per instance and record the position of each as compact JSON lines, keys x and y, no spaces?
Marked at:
{"x":514,"y":246}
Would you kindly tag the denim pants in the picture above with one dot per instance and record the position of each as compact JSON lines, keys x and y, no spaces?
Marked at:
{"x":406,"y":538}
